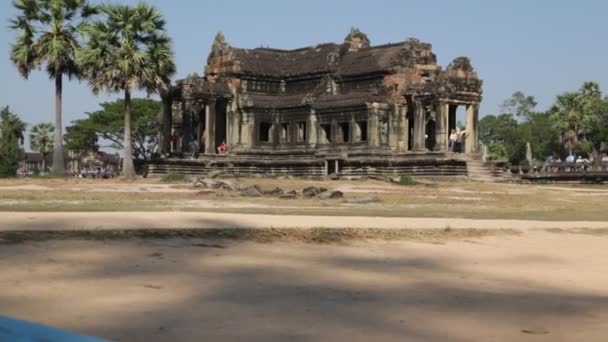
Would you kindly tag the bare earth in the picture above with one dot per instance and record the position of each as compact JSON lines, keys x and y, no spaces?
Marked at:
{"x":547,"y":283}
{"x":538,"y":286}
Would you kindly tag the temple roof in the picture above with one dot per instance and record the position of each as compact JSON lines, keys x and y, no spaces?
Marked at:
{"x":282,"y":63}
{"x":353,"y":57}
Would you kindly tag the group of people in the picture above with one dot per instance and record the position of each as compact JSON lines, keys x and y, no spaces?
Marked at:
{"x":577,"y":160}
{"x":456,"y":140}
{"x":222,"y":148}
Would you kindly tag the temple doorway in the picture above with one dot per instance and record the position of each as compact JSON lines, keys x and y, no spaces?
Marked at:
{"x":411,"y":120}
{"x":429,"y":135}
{"x":220,"y":122}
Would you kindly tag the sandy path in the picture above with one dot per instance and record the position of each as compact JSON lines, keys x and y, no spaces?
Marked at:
{"x":177,"y":220}
{"x":534,"y":287}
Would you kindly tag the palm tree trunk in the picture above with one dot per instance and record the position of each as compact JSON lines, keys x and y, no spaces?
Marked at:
{"x":128,"y":170}
{"x":58,"y":162}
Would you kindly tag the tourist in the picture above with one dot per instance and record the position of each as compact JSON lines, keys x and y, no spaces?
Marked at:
{"x":460,"y":133}
{"x":453,"y":138}
{"x":570,"y":159}
{"x":194,"y":148}
{"x":222,"y":148}
{"x":580,"y":160}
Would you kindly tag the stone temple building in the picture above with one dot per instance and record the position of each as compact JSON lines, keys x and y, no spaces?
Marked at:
{"x":349,"y":108}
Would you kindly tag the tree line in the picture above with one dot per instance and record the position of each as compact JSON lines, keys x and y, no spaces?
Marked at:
{"x":576,"y":124}
{"x":115,"y":48}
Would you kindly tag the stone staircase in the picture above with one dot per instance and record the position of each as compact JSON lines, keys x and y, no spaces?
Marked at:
{"x":480,"y":171}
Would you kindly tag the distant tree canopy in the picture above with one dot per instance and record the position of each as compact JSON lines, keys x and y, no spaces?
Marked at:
{"x":108,"y":124}
{"x":12,"y":131}
{"x":577,"y":123}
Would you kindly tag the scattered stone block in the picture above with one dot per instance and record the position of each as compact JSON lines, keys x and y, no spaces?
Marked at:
{"x":274,"y":192}
{"x":310,"y":191}
{"x":253,"y":191}
{"x":330,"y":194}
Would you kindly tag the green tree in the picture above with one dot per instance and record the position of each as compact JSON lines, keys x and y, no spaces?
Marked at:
{"x":497,"y":132}
{"x":80,"y":138}
{"x":129,"y":49}
{"x":12,"y":131}
{"x":520,"y":105}
{"x":108,"y":124}
{"x":48,"y":35}
{"x":41,"y":140}
{"x":575,"y":113}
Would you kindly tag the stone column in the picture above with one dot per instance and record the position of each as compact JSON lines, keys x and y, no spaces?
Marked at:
{"x":404,"y":134}
{"x":312,"y":129}
{"x":373,"y":127}
{"x":441,"y":135}
{"x":419,"y":123}
{"x":393,"y":128}
{"x":470,"y":144}
{"x":210,"y":127}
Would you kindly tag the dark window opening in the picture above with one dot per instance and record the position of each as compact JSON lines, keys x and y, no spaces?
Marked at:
{"x":301,"y":131}
{"x":345,"y":129}
{"x":326,"y":129}
{"x":363,"y":130}
{"x":265,"y":131}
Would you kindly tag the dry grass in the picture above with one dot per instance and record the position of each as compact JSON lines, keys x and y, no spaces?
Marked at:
{"x":312,"y":235}
{"x":457,"y":199}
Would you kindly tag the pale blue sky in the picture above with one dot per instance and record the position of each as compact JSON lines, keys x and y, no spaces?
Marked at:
{"x":541,"y":47}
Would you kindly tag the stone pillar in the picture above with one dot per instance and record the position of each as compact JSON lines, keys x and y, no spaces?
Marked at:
{"x":419,"y":123}
{"x":441,"y":135}
{"x":472,"y":128}
{"x":403,"y":128}
{"x":210,"y":127}
{"x":373,"y":127}
{"x":312,"y":129}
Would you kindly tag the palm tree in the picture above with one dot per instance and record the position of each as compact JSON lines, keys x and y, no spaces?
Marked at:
{"x":574,"y":114}
{"x":128,"y":50}
{"x":48,"y":34}
{"x":41,"y":140}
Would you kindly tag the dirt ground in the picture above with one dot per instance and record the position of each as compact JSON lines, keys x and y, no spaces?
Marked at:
{"x":537,"y":286}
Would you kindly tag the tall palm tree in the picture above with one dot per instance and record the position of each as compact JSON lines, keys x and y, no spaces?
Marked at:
{"x":129,"y":49}
{"x":575,"y":113}
{"x":48,"y":35}
{"x":41,"y":140}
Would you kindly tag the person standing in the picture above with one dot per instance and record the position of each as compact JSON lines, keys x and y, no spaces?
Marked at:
{"x":453,"y":138}
{"x":194,"y":148}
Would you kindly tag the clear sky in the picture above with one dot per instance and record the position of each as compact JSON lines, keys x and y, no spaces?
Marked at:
{"x":541,"y":47}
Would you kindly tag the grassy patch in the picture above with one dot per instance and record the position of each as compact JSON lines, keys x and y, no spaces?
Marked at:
{"x":172,"y":177}
{"x":312,"y":235}
{"x":407,"y":180}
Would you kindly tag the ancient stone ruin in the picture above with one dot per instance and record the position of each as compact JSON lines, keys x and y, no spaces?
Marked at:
{"x":349,"y":108}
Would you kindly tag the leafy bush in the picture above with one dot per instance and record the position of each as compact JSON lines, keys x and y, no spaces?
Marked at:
{"x":407,"y":180}
{"x":173,"y":176}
